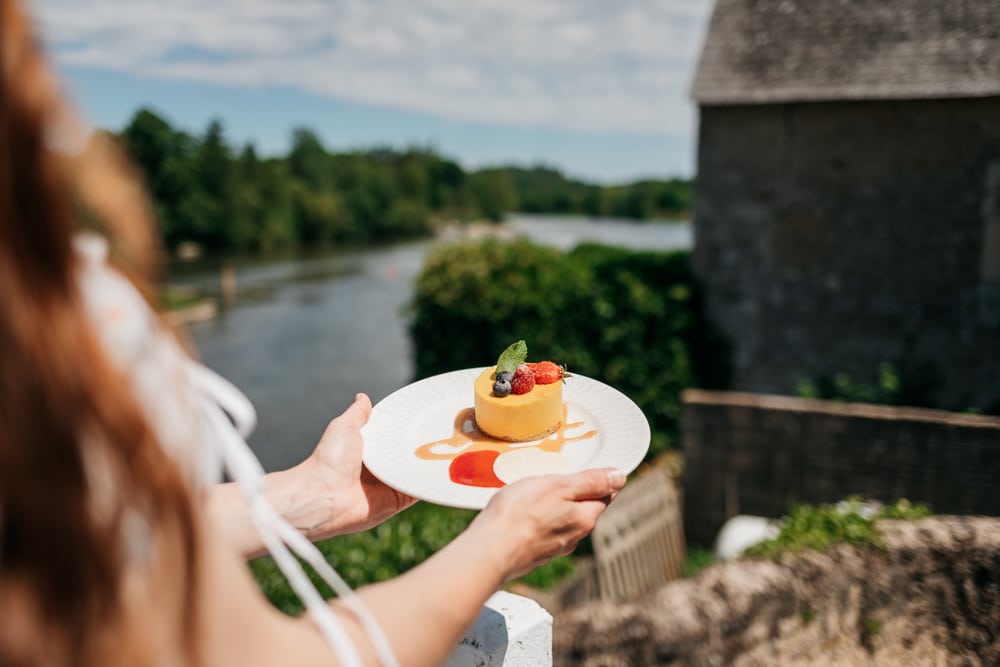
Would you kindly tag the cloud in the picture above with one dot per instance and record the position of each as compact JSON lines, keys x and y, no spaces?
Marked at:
{"x":588,"y":65}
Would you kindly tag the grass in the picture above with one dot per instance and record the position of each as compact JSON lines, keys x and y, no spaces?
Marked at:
{"x":388,"y":550}
{"x":178,"y":298}
{"x":696,"y":559}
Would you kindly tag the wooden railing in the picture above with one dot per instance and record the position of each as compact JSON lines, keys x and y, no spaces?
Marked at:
{"x":639,"y":540}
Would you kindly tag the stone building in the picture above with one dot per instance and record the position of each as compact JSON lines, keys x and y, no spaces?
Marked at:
{"x":847,"y":201}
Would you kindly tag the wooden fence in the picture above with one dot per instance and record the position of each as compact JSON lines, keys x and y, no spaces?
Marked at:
{"x":759,"y":454}
{"x":638,"y":543}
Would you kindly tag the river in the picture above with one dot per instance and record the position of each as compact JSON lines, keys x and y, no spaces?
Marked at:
{"x":303,"y":335}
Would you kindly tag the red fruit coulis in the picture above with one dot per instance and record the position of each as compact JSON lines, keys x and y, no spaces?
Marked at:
{"x":475,"y":469}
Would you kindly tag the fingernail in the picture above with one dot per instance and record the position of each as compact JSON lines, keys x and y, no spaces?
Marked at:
{"x":617,"y":478}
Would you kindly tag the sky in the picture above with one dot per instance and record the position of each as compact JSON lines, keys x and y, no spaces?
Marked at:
{"x":595,"y":88}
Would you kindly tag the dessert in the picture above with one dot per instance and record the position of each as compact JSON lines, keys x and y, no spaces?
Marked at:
{"x":518,"y":401}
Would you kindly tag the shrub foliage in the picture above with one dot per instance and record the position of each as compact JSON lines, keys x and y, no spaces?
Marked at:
{"x":817,"y":528}
{"x":389,"y":549}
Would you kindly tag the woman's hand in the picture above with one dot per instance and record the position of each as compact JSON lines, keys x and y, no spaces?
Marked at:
{"x":425,"y":610}
{"x":334,"y":474}
{"x":536,"y":519}
{"x":330,"y":493}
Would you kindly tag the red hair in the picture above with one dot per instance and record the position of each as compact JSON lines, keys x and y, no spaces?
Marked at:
{"x":66,"y":416}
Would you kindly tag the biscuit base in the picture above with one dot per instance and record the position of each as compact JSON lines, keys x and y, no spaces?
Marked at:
{"x":538,"y":436}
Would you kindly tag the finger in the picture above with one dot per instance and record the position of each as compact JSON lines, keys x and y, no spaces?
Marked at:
{"x":591,"y":511}
{"x":596,"y":483}
{"x":569,"y":548}
{"x":368,"y":478}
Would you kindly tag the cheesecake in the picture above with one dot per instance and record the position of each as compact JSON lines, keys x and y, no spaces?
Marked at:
{"x":517,"y":417}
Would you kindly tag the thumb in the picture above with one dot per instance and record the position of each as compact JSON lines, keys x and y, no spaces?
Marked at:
{"x":358,"y":412}
{"x":596,"y":483}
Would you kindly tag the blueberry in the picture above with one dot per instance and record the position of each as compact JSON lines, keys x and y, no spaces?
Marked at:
{"x":504,"y":376}
{"x":501,"y":388}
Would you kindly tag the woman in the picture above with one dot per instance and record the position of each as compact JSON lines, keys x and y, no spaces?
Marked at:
{"x":116,"y":545}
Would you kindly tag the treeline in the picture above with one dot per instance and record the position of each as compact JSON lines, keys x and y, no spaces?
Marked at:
{"x":229,"y":198}
{"x":546,"y":190}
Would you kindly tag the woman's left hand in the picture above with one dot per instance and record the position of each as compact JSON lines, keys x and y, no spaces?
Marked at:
{"x":330,"y":493}
{"x":334,"y":472}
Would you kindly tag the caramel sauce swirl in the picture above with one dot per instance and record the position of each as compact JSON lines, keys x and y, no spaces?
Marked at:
{"x":466,"y":437}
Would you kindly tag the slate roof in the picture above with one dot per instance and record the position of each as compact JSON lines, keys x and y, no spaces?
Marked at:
{"x":761,"y":51}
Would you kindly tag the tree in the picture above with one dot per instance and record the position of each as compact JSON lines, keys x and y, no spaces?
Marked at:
{"x":164,"y":156}
{"x":491,"y":194}
{"x":224,"y":227}
{"x":203,"y":191}
{"x":308,"y":160}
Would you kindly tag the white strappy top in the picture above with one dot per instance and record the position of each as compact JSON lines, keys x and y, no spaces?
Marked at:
{"x":202,"y":421}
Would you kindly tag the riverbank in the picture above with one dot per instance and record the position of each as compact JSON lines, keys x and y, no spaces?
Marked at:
{"x":194,"y":297}
{"x":201,"y":311}
{"x":565,"y":232}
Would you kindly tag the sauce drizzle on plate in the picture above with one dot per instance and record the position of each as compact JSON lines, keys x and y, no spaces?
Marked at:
{"x":473,"y":453}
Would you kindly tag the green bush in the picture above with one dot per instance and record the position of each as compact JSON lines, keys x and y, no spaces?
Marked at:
{"x":818,"y":528}
{"x":548,"y":575}
{"x":630,"y":319}
{"x":383,"y":552}
{"x":696,"y":559}
{"x":909,"y":381}
{"x":841,"y":387}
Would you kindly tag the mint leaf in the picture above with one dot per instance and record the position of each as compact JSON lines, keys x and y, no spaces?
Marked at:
{"x":512,"y":357}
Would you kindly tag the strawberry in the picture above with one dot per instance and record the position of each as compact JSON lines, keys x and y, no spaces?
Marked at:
{"x":547,"y":372}
{"x":523,"y":380}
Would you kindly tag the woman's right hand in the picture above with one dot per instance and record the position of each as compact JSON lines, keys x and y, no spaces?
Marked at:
{"x":538,"y":518}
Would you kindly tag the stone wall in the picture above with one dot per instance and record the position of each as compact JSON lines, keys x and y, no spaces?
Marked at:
{"x":758,"y":454}
{"x":832,"y":237}
{"x":931,"y":596}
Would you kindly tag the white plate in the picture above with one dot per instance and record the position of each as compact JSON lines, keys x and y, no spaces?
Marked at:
{"x":603,"y":428}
